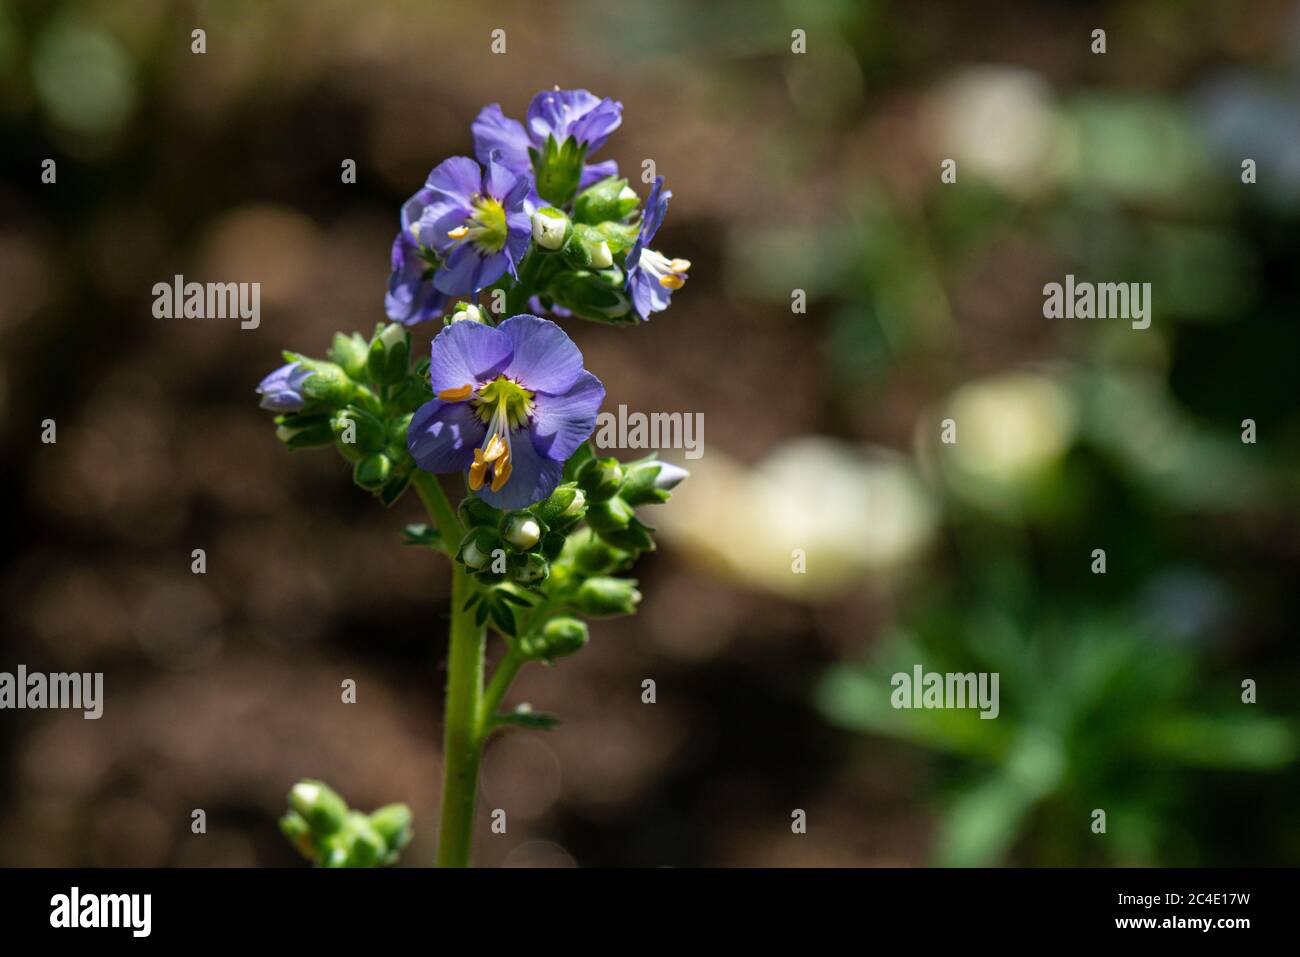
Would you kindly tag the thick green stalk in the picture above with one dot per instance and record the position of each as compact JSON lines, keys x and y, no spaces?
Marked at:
{"x":462,"y":746}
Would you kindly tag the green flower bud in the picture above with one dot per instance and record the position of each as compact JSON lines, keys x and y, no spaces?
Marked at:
{"x":551,"y":228}
{"x":350,"y":353}
{"x":610,"y":516}
{"x":564,"y":506}
{"x":329,"y":385}
{"x":390,"y":351}
{"x":357,"y":433}
{"x":522,"y":531}
{"x":298,"y":832}
{"x":475,"y":512}
{"x":393,"y":822}
{"x":593,"y":556}
{"x":366,"y":847}
{"x":650,"y":482}
{"x":465,"y":312}
{"x":559,"y":637}
{"x":304,"y":431}
{"x":398,"y":426}
{"x":600,"y":478}
{"x":607,"y":597}
{"x":610,"y":199}
{"x":318,"y":805}
{"x":553,"y":545}
{"x":558,"y":169}
{"x":598,"y":296}
{"x":588,"y":249}
{"x":477,"y":548}
{"x":373,"y":471}
{"x":530,"y":569}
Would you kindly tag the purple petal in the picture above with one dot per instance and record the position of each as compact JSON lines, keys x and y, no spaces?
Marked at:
{"x":532,"y":477}
{"x":466,"y":353}
{"x":495,"y":132}
{"x":647,"y":295}
{"x":545,"y":359}
{"x":562,"y":422}
{"x":410,"y":298}
{"x":576,"y":113}
{"x":593,"y":173}
{"x":443,"y":435}
{"x":467,"y":271}
{"x":504,"y":184}
{"x":457,"y":176}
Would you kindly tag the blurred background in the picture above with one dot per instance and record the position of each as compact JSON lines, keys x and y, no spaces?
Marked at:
{"x":817,"y":172}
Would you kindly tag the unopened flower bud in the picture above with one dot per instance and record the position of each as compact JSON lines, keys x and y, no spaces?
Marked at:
{"x":373,"y":471}
{"x":298,"y":833}
{"x":477,"y":548}
{"x":607,"y":597}
{"x":328,"y":384}
{"x":563,"y":507}
{"x":559,"y":637}
{"x":649,"y":482}
{"x":389,"y":353}
{"x":304,"y":431}
{"x":551,"y":228}
{"x":318,"y":805}
{"x":588,"y":249}
{"x":393,"y":822}
{"x":595,"y":295}
{"x":522,"y":531}
{"x":357,"y":433}
{"x":366,"y":847}
{"x":610,"y":515}
{"x":593,"y":556}
{"x":529,"y":569}
{"x":350,"y":353}
{"x":600,"y":478}
{"x":609,"y":200}
{"x":466,"y":312}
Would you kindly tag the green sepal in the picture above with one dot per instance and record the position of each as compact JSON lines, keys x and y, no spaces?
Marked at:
{"x":558,"y":169}
{"x":525,"y":717}
{"x":300,"y":431}
{"x":603,"y":202}
{"x":422,"y":535}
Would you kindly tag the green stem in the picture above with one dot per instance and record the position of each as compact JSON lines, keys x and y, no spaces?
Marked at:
{"x":505,"y":673}
{"x":517,"y":297}
{"x":462,"y":745}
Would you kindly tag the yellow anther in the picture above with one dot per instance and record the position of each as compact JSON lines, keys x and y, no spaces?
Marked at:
{"x":459,"y":394}
{"x":680,"y":265}
{"x":501,"y":474}
{"x":477,"y":471}
{"x":495,"y":449}
{"x":672,"y":281}
{"x":460,"y":232}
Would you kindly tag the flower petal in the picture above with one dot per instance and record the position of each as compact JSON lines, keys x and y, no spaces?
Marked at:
{"x":466,"y":352}
{"x":443,"y":435}
{"x":593,"y":173}
{"x":545,"y":359}
{"x":561,"y":423}
{"x":495,"y":132}
{"x":532,"y":477}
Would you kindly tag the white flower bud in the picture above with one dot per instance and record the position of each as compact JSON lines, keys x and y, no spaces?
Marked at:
{"x":549,"y":228}
{"x":523,"y":532}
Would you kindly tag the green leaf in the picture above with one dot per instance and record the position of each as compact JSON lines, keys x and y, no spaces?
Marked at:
{"x":525,"y":717}
{"x":422,"y":535}
{"x":503,"y":616}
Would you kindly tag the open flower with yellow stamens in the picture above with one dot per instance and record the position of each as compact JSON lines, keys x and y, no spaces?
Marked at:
{"x":512,"y":403}
{"x":652,"y":276}
{"x":476,"y":220}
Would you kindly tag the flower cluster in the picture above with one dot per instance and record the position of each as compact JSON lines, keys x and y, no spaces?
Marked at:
{"x":546,"y":530}
{"x":323,"y":829}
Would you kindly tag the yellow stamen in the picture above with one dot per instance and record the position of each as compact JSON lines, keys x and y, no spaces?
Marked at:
{"x":477,"y":471}
{"x":672,"y":281}
{"x":495,"y":449}
{"x":502,"y":474}
{"x":459,"y":394}
{"x":460,"y":232}
{"x":680,"y":265}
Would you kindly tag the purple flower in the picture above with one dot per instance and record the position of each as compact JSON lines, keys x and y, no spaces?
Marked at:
{"x":475,"y":220}
{"x":558,"y":113}
{"x":411,"y":295}
{"x":652,"y":276}
{"x":513,"y":402}
{"x":281,"y":391}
